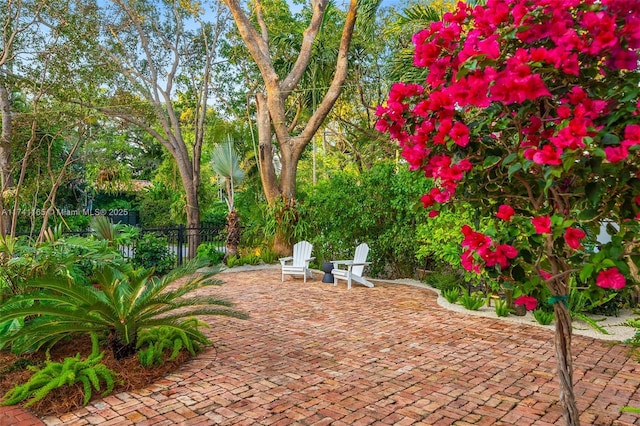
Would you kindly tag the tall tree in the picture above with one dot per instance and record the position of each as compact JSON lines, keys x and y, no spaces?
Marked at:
{"x":19,"y":17}
{"x":271,"y":101}
{"x":151,"y":52}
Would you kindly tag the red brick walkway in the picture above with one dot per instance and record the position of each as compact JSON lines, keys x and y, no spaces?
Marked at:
{"x":317,"y":354}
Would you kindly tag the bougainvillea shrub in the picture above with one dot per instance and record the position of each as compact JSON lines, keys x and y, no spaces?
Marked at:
{"x":530,"y":113}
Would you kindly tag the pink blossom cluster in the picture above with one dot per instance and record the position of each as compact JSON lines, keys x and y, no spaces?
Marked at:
{"x":611,"y":278}
{"x":521,"y":55}
{"x":481,"y":251}
{"x":463,"y":53}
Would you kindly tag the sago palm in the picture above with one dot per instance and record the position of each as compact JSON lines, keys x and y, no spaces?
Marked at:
{"x":126,"y":301}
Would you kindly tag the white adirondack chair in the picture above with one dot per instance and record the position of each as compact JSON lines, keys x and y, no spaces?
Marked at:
{"x":298,"y":264}
{"x":355,"y":268}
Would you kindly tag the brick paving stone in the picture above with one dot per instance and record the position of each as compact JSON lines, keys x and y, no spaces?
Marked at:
{"x":319,"y":354}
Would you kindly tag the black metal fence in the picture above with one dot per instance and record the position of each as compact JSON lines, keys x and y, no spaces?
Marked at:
{"x":181,"y":241}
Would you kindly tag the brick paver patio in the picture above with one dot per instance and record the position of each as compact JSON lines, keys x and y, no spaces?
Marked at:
{"x":318,"y":354}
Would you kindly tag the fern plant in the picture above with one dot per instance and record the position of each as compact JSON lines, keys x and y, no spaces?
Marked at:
{"x":127,"y":301}
{"x":90,"y":372}
{"x":153,"y":342}
{"x":472,"y":301}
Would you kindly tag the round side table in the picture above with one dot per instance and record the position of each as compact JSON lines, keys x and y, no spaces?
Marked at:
{"x":327,"y":267}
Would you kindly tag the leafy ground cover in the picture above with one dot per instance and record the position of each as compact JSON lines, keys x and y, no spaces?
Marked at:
{"x":131,"y":375}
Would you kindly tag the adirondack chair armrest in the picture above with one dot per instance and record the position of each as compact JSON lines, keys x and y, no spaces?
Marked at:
{"x":340,"y":262}
{"x":348,"y":263}
{"x":309,"y":259}
{"x":283,"y":260}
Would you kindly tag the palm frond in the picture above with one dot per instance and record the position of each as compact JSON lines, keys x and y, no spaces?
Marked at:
{"x":226,"y":163}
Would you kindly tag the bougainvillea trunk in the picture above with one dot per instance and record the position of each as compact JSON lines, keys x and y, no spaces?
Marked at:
{"x":565,"y":364}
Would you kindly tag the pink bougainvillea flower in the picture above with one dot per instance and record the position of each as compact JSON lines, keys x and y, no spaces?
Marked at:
{"x":548,"y":155}
{"x":499,"y":256}
{"x":434,"y":213}
{"x":469,"y":263}
{"x":459,"y":133}
{"x":542,"y":224}
{"x":505,"y":212}
{"x":631,"y":135}
{"x":615,"y":154}
{"x":573,"y":236}
{"x":427,"y":200}
{"x":475,"y":240}
{"x":529,"y":302}
{"x":611,"y":278}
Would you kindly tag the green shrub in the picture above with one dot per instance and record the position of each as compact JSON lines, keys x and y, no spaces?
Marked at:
{"x":444,"y":280}
{"x":502,"y":308}
{"x":451,"y":295}
{"x":210,"y":252}
{"x":543,"y":317}
{"x":249,"y":259}
{"x":152,"y":251}
{"x":90,"y":372}
{"x":473,"y":301}
{"x":216,"y":216}
{"x":268,"y":256}
{"x":378,"y":206}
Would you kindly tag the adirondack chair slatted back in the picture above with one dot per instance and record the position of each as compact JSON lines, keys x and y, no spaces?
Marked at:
{"x":301,"y":253}
{"x":362,"y":251}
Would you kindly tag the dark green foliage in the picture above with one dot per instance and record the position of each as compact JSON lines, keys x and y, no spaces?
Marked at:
{"x":125,"y":302}
{"x":152,"y":251}
{"x":444,"y":280}
{"x":90,"y":372}
{"x":380,"y":207}
{"x":153,"y":343}
{"x":210,"y":252}
{"x":472,"y":301}
{"x":543,"y":317}
{"x":216,"y":216}
{"x":157,"y":204}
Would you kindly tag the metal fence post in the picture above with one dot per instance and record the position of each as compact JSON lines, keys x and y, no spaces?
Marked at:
{"x":180,"y":243}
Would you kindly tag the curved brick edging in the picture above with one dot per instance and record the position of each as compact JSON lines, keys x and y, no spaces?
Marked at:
{"x":319,"y":354}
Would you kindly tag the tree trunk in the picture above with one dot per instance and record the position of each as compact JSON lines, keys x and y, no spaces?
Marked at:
{"x":6,"y":178}
{"x":266,"y":152}
{"x":233,"y":235}
{"x":193,"y":221}
{"x":271,"y":115}
{"x":564,"y":361}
